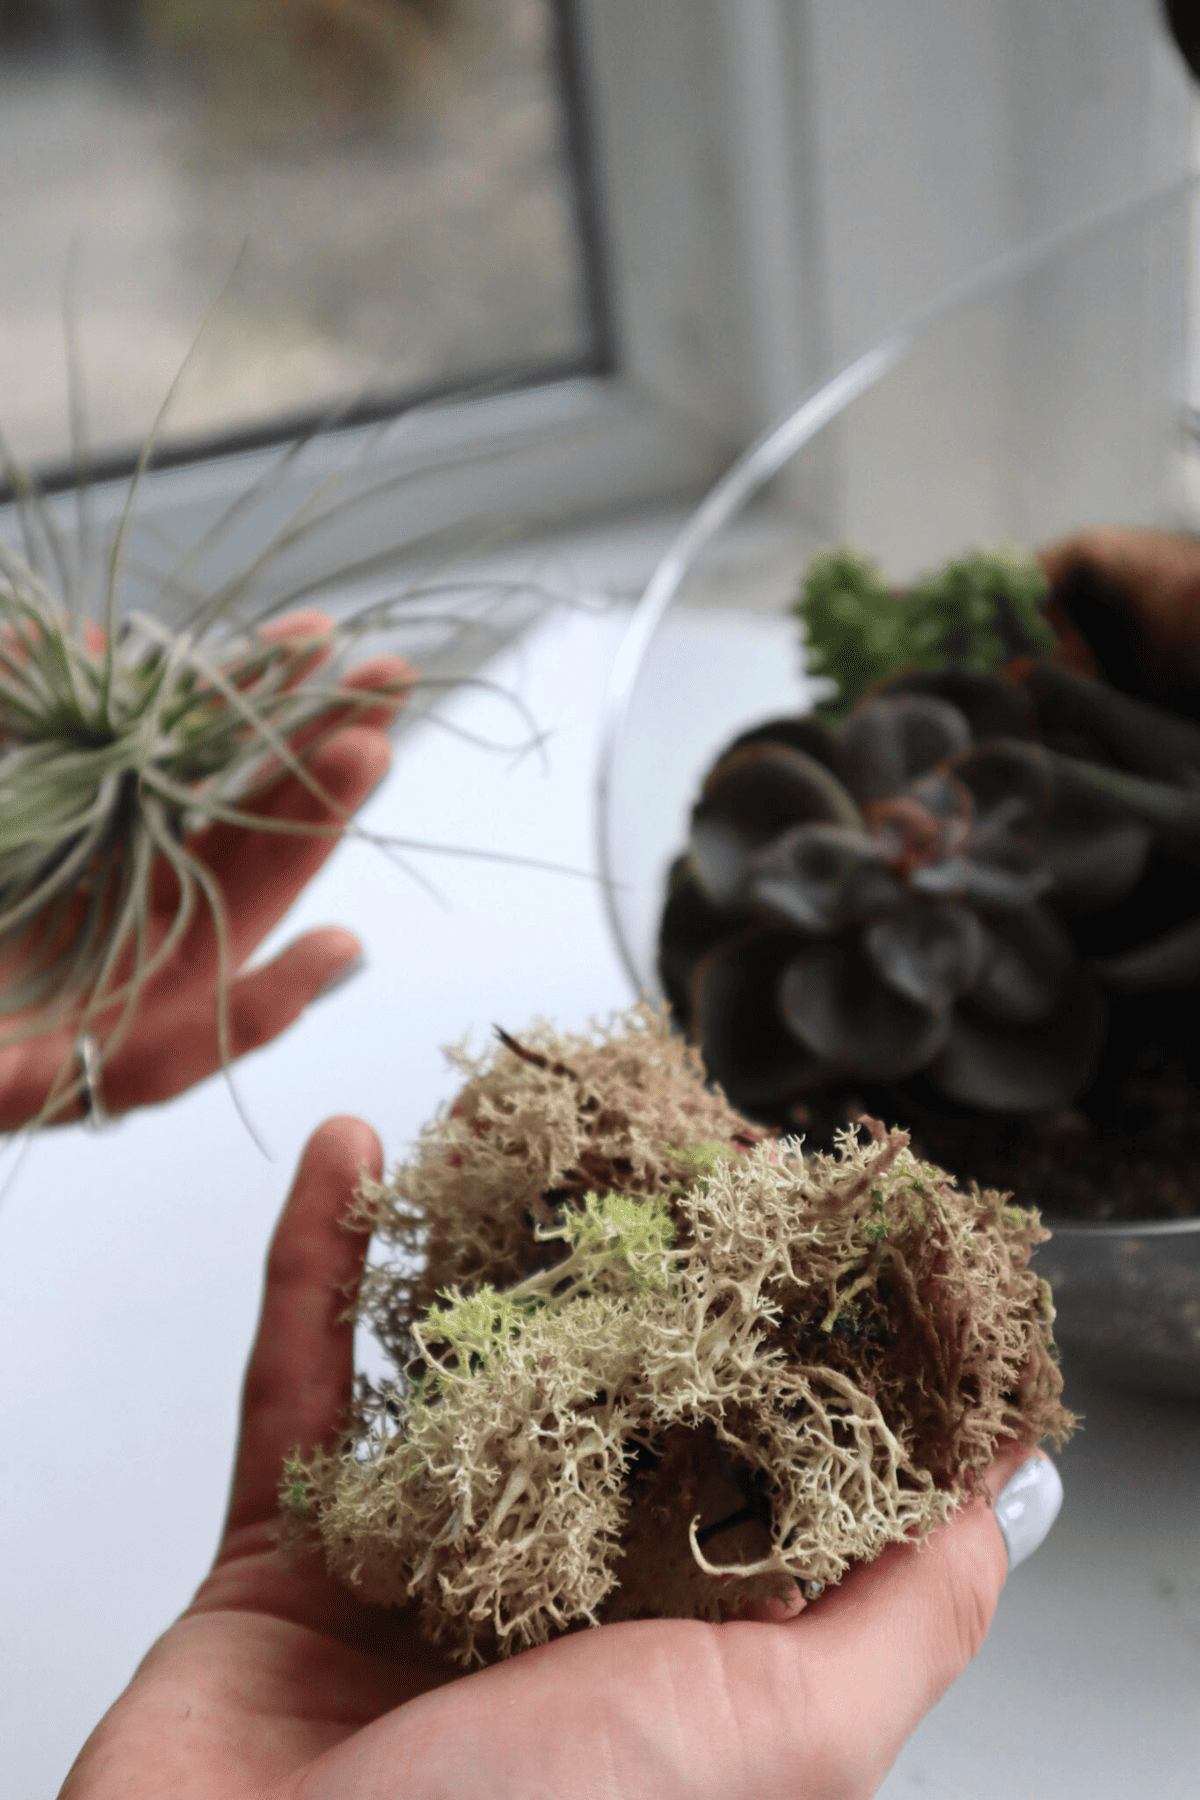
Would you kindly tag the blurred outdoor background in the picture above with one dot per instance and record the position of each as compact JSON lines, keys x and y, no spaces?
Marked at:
{"x":379,"y":190}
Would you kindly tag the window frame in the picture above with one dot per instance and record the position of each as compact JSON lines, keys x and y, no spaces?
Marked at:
{"x":683,"y":133}
{"x":770,"y":180}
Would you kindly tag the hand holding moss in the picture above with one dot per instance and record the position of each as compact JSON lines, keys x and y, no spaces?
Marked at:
{"x":277,"y":1684}
{"x":172,"y":1039}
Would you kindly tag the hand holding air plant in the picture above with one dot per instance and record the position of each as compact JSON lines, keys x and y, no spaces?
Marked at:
{"x":277,"y":1683}
{"x":172,"y":774}
{"x":104,"y":934}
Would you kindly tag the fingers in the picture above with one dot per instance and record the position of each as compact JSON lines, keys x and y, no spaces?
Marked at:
{"x":174,"y":1047}
{"x":29,"y":1073}
{"x":389,"y":677}
{"x":308,"y":622}
{"x":318,"y":627}
{"x":390,"y":674}
{"x":298,"y":1381}
{"x":174,"y":1041}
{"x":261,"y":873}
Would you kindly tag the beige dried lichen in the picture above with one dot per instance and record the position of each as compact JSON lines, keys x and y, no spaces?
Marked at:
{"x":656,"y":1365}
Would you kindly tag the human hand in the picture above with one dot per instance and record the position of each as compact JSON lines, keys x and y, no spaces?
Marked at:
{"x":173,"y":1039}
{"x":282,"y":1686}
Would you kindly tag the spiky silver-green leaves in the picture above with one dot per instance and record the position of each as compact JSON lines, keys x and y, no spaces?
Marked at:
{"x":113,"y":749}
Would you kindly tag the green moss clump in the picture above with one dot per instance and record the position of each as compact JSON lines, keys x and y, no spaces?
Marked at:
{"x":973,"y":614}
{"x":732,"y":1368}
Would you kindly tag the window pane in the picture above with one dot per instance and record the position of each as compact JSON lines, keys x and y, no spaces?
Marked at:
{"x":388,"y":180}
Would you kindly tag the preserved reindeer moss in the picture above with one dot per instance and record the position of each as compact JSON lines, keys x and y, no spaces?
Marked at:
{"x":656,"y":1364}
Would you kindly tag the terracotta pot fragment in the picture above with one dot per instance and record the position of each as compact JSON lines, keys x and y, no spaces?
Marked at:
{"x":1125,"y":603}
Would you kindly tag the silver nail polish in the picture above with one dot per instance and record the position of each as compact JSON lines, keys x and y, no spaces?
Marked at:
{"x":351,"y":969}
{"x":1027,"y":1506}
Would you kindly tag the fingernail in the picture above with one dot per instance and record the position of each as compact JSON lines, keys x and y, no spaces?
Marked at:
{"x":1027,"y":1506}
{"x":346,"y":973}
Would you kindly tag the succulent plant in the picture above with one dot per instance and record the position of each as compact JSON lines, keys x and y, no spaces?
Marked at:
{"x":948,"y":888}
{"x":973,"y":614}
{"x":656,"y":1365}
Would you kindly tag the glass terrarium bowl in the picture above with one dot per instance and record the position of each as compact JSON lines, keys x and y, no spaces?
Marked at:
{"x":1046,"y":395}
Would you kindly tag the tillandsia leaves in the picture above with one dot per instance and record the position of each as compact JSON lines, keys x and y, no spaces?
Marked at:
{"x":951,"y":883}
{"x":738,"y":1369}
{"x":122,"y":735}
{"x":111,"y":754}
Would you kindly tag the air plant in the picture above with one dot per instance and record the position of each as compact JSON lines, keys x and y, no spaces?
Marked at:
{"x":112,"y":750}
{"x":120,"y":735}
{"x":647,"y":1362}
{"x":942,"y":897}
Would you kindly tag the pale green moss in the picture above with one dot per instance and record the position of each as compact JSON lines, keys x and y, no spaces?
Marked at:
{"x":754,"y":1370}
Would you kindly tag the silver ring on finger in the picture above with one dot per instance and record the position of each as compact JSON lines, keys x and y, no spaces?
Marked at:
{"x":95,"y":1114}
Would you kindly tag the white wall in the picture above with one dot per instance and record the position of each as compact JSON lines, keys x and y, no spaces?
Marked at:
{"x":944,"y":132}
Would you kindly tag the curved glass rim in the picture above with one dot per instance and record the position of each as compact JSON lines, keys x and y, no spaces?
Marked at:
{"x":755,"y":466}
{"x":1062,"y":1226}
